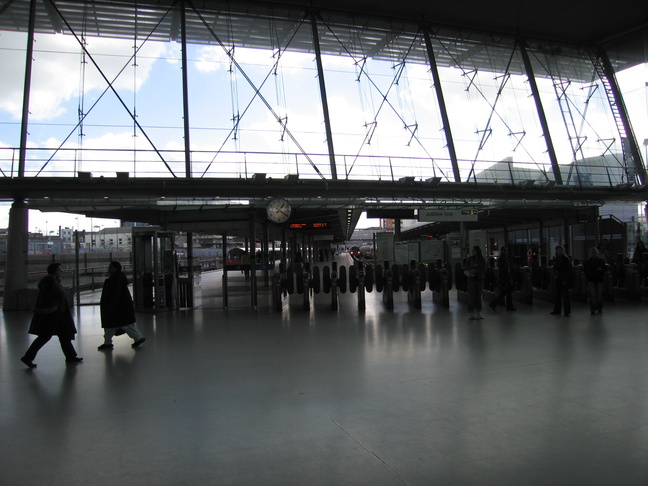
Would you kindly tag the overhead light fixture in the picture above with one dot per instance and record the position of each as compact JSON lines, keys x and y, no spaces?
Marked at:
{"x":292,"y":178}
{"x":433,"y":181}
{"x":259,"y":178}
{"x":123,"y":175}
{"x":409,"y":180}
{"x":84,"y":175}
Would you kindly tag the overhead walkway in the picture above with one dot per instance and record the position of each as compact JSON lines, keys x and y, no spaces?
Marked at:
{"x":388,"y":397}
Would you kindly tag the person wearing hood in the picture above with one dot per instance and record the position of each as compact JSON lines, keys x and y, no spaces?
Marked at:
{"x":117,"y":309}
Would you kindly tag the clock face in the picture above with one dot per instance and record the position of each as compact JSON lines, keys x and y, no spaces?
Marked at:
{"x":278,"y":210}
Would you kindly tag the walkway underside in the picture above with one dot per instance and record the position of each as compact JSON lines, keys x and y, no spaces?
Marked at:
{"x":227,"y":204}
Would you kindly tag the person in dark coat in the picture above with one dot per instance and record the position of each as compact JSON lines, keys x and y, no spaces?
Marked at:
{"x":594,"y":268}
{"x":474,"y":269}
{"x":562,"y":275}
{"x":52,"y":317}
{"x":638,"y":259}
{"x":637,"y":255}
{"x":117,"y":308}
{"x":504,"y":283}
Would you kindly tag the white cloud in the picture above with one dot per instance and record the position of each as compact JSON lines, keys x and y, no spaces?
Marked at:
{"x":57,"y":71}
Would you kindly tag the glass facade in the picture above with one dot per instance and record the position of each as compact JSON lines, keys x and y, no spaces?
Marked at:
{"x":158,"y":92}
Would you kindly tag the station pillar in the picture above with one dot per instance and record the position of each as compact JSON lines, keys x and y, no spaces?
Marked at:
{"x":16,"y":258}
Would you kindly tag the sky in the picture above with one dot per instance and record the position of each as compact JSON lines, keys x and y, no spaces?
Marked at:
{"x":391,"y":111}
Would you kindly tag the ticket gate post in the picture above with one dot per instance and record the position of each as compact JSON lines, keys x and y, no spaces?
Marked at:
{"x":414,"y":293}
{"x":441,"y":295}
{"x":362,"y":305}
{"x":277,"y":292}
{"x":388,"y":289}
{"x":306,"y":278}
{"x":525,"y":295}
{"x":334,"y":287}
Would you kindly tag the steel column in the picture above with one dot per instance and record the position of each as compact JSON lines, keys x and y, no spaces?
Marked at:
{"x":325,"y":108}
{"x":26,"y":90}
{"x":253,"y":276}
{"x":625,"y":118}
{"x":442,"y":107}
{"x":541,"y":114}
{"x":185,"y":91}
{"x":224,"y":277}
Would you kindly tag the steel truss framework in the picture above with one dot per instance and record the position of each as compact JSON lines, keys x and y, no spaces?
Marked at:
{"x":519,"y":88}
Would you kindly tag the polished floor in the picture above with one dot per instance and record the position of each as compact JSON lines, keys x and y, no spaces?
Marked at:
{"x":321,"y":397}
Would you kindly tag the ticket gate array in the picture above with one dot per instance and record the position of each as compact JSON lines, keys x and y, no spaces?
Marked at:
{"x":360,"y":279}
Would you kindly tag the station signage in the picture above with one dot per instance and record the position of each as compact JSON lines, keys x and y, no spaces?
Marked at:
{"x":451,"y":214}
{"x":309,"y":226}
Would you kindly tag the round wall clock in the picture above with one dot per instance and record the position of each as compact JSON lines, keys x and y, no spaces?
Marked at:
{"x":278,"y":210}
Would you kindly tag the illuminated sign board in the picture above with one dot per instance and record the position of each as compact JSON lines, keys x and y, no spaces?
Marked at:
{"x":430,"y":215}
{"x":303,"y":226}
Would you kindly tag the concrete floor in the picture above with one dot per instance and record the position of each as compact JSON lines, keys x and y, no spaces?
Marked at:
{"x":402,"y":397}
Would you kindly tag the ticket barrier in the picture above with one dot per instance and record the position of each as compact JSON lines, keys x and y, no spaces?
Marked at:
{"x":278,"y":291}
{"x":334,"y":287}
{"x":362,"y":278}
{"x":632,"y":282}
{"x":388,"y":287}
{"x":579,"y":285}
{"x":525,"y":294}
{"x":608,"y":284}
{"x":415,"y":281}
{"x":306,"y":278}
{"x":441,"y":294}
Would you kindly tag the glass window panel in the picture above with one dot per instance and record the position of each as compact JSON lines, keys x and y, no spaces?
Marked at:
{"x":256,"y":110}
{"x":12,"y":57}
{"x":384,"y":112}
{"x":633,"y":85}
{"x":107,"y":96}
{"x":492,"y":114}
{"x":583,"y":129}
